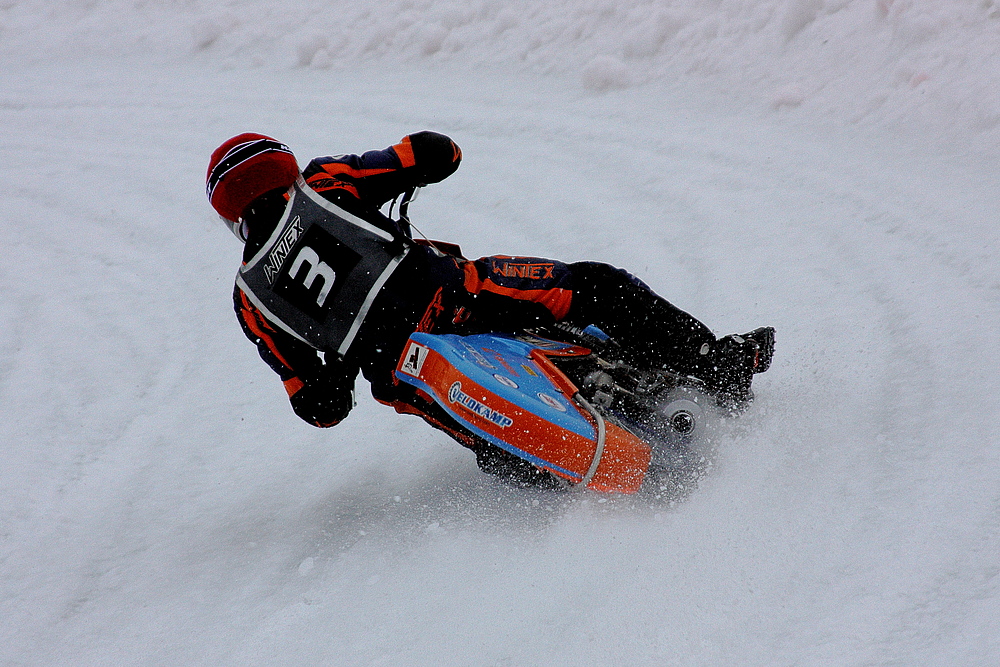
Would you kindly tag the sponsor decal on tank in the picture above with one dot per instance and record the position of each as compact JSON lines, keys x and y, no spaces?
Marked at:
{"x":503,"y":379}
{"x":552,"y":402}
{"x":456,"y":395}
{"x":416,"y":355}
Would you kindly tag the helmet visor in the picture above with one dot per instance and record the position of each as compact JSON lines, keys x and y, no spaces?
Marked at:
{"x":238,"y":228}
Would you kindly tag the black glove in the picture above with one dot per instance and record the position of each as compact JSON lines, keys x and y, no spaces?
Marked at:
{"x":325,"y":398}
{"x":436,"y":156}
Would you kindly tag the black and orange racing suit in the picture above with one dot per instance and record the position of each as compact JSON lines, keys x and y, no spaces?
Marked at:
{"x":436,"y":292}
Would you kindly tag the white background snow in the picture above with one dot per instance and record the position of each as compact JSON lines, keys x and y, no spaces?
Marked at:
{"x":825,"y":166}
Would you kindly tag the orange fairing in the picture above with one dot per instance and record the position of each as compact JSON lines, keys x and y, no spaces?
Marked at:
{"x":559,"y":379}
{"x":560,"y":450}
{"x":623,"y":464}
{"x":625,"y":458}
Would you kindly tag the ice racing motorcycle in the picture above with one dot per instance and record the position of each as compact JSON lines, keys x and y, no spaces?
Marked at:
{"x":564,"y":400}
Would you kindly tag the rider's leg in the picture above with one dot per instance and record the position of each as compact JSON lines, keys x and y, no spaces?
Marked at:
{"x":659,"y":333}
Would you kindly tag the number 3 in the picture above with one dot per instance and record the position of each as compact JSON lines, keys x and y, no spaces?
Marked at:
{"x":317,"y":269}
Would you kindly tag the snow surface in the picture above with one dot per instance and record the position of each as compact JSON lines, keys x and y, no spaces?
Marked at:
{"x":824,"y":166}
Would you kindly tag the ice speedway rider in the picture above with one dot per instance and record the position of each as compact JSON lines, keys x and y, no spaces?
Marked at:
{"x":255,"y":185}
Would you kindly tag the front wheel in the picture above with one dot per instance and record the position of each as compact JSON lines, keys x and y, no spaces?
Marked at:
{"x":682,"y":412}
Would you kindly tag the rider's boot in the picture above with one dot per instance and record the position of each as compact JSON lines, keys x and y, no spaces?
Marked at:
{"x":762,"y":339}
{"x":728,"y":365}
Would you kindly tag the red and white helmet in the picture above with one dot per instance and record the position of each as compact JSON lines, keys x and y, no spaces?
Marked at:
{"x":244,"y":168}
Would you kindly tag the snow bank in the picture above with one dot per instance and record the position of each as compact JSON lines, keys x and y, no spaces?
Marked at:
{"x":902,"y":61}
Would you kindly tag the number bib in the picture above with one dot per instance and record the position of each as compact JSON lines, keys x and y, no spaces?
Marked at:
{"x":320,"y":271}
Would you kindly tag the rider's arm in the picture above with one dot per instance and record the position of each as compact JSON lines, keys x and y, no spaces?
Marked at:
{"x":321,"y":392}
{"x":375,"y":177}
